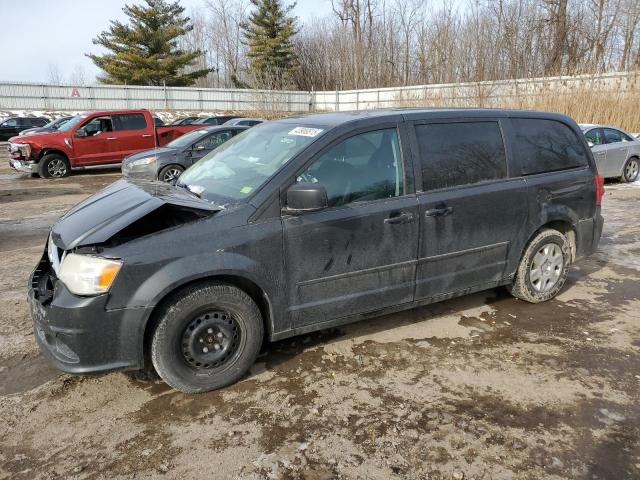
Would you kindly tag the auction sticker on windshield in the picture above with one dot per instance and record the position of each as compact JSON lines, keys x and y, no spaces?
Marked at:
{"x":305,"y":131}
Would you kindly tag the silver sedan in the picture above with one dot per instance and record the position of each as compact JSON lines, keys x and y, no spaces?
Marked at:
{"x":616,"y":152}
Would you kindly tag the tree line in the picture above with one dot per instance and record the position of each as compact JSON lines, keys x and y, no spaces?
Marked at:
{"x":369,"y":43}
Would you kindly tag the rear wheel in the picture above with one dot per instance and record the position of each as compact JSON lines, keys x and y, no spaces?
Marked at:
{"x":631,"y":170}
{"x":207,"y":337}
{"x":54,"y":165}
{"x":543,"y":267}
{"x":170,"y":173}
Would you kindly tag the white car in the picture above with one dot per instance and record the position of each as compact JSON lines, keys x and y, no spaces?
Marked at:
{"x":616,"y":152}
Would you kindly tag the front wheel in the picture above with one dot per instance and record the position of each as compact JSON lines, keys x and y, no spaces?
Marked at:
{"x":207,"y":337}
{"x":170,"y":173}
{"x":543,"y":267}
{"x":630,"y":170}
{"x":54,"y":165}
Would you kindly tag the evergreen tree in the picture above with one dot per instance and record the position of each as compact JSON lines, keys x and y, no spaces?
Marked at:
{"x":268,"y":33}
{"x":146,"y":51}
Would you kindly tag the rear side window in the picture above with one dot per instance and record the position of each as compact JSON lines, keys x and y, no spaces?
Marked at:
{"x":547,"y":146}
{"x":130,"y":121}
{"x":40,"y":122}
{"x":461,"y":153}
{"x":615,"y":136}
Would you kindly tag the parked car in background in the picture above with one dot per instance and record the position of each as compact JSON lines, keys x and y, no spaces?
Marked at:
{"x":14,"y":125}
{"x":97,"y":139}
{"x":616,"y":152}
{"x":157,"y":121}
{"x":306,"y":223}
{"x":49,"y":127}
{"x":167,"y":163}
{"x":216,"y":120}
{"x":248,"y":122}
{"x":185,"y":121}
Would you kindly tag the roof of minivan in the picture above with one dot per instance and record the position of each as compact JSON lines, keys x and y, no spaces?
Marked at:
{"x":332,"y":119}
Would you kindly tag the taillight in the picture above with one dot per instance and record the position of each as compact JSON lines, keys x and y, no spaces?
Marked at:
{"x":599,"y":179}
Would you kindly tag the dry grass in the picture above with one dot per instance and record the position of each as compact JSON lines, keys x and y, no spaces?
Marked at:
{"x":587,"y":101}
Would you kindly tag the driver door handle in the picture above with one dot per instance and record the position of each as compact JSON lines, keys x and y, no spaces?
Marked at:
{"x":146,"y":135}
{"x":111,"y":138}
{"x":399,"y":217}
{"x":438,"y":212}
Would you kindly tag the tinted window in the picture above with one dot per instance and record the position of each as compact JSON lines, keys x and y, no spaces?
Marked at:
{"x":12,"y":122}
{"x":361,"y":168}
{"x":465,"y":153}
{"x":546,"y":146}
{"x":614,"y":136}
{"x":97,"y":126}
{"x":40,"y":122}
{"x":130,"y":121}
{"x":595,"y":136}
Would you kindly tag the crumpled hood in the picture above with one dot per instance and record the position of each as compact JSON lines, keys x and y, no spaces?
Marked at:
{"x":106,"y":213}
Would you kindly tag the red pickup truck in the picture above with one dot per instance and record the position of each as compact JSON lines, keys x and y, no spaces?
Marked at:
{"x":97,"y":139}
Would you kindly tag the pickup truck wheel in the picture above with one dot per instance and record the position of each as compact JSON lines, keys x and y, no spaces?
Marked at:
{"x":543,"y":267}
{"x":53,"y":165}
{"x":207,"y":337}
{"x":170,"y":173}
{"x":630,"y":170}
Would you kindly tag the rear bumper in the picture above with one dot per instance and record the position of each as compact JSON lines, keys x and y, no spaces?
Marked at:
{"x":79,"y":335}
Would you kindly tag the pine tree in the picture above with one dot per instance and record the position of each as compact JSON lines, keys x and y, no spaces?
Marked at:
{"x":146,"y":51}
{"x":268,"y":33}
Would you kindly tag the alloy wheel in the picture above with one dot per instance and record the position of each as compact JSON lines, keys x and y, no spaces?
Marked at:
{"x":631,"y":170}
{"x":171,"y":174}
{"x":57,"y":168}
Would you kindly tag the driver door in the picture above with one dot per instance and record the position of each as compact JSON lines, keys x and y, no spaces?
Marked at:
{"x":204,"y":146}
{"x":358,"y":255}
{"x":99,"y":145}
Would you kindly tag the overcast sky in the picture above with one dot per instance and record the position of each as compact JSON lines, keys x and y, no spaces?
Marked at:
{"x":39,"y":33}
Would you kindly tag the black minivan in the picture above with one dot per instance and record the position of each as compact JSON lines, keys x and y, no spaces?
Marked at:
{"x":305,"y":223}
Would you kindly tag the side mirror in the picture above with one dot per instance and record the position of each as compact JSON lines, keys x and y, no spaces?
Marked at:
{"x":306,"y":197}
{"x":81,"y":133}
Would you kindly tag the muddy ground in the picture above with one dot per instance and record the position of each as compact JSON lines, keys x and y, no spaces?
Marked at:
{"x":481,"y":387}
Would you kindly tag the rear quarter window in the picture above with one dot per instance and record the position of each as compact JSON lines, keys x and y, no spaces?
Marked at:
{"x":546,"y":146}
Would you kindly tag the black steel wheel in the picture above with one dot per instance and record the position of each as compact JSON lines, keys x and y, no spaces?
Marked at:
{"x":207,"y":336}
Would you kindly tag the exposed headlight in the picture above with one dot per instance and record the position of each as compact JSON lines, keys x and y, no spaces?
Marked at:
{"x":142,"y":161}
{"x":23,"y":148}
{"x":88,"y":275}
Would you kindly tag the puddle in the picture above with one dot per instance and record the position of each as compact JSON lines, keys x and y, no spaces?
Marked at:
{"x":18,"y":374}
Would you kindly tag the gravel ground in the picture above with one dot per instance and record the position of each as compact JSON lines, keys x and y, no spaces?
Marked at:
{"x":480,"y":387}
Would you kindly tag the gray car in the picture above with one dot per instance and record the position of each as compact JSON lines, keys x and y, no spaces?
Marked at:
{"x":167,"y":163}
{"x":616,"y":152}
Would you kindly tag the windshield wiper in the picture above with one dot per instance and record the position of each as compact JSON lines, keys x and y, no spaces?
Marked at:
{"x":196,"y":190}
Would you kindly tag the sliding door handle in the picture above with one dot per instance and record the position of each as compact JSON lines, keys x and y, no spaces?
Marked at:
{"x":438,"y":212}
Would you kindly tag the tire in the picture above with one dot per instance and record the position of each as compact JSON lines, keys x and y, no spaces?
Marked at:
{"x":169,"y":173}
{"x":54,"y":165}
{"x":204,"y":316}
{"x":630,"y":170}
{"x":535,"y":282}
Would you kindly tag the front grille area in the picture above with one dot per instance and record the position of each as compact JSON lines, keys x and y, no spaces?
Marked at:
{"x":42,"y":281}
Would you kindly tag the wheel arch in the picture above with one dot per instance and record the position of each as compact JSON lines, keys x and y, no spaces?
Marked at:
{"x":257,"y":294}
{"x":172,"y":164}
{"x":48,"y":151}
{"x":562,"y":225}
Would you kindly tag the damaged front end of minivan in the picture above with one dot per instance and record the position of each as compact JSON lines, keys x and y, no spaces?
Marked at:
{"x":77,"y":323}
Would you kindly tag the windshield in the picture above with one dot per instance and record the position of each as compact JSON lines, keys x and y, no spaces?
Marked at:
{"x":187,"y":139}
{"x":240,"y":166}
{"x":72,"y":122}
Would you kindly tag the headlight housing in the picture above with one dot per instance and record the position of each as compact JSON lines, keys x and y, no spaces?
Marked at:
{"x":88,"y":275}
{"x":142,"y":161}
{"x":23,"y":148}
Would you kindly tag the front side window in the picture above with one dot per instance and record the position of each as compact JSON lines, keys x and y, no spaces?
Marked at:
{"x":361,"y":168}
{"x":547,"y":146}
{"x":238,"y":167}
{"x":130,"y":121}
{"x":12,"y":122}
{"x":97,"y":126}
{"x":615,"y":136}
{"x":595,"y":136}
{"x":460,"y":153}
{"x":212,"y":141}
